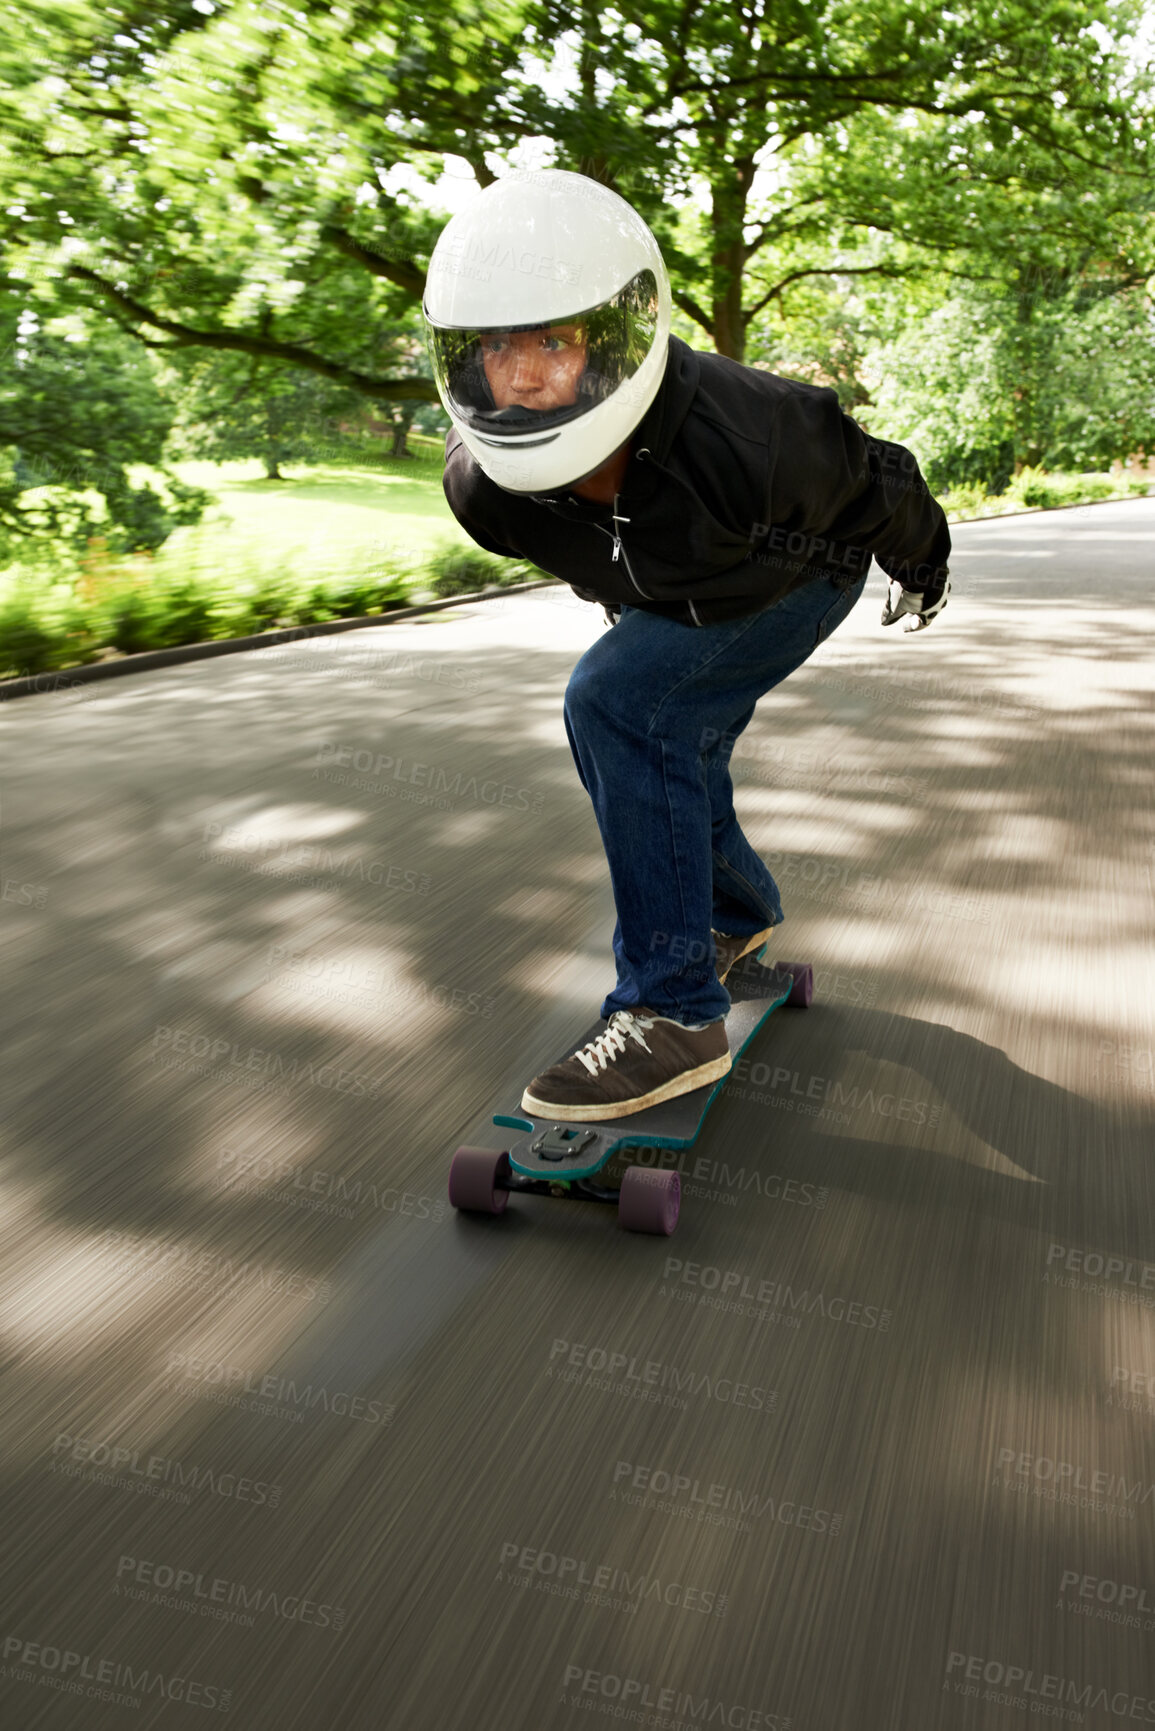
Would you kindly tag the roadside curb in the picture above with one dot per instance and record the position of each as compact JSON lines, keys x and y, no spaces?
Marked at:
{"x":65,"y":678}
{"x":1038,"y":510}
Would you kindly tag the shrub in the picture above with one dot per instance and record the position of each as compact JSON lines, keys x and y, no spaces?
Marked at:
{"x":454,"y":570}
{"x":349,"y":596}
{"x":26,"y":645}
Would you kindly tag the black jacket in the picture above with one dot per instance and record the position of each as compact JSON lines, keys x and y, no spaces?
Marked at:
{"x":742,"y":486}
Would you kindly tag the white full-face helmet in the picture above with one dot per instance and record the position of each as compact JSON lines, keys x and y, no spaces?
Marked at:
{"x":546,"y":264}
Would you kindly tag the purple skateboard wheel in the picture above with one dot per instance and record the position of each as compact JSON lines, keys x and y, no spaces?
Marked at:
{"x":649,"y":1200}
{"x":473,"y":1180}
{"x":802,"y":993}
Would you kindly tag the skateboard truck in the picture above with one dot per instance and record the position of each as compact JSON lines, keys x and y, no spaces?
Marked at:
{"x":562,"y":1142}
{"x":481,"y":1180}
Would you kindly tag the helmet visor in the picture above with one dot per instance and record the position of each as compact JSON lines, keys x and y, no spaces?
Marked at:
{"x":510,"y":383}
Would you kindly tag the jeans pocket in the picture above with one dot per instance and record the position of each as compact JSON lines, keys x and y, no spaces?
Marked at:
{"x":843,"y":601}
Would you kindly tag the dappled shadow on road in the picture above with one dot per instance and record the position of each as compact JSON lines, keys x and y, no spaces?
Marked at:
{"x":296,"y":920}
{"x":379,"y":866}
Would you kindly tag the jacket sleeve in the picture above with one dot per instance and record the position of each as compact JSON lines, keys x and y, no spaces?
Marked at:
{"x":841,"y":483}
{"x":458,"y":485}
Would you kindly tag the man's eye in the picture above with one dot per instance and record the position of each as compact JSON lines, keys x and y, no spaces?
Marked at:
{"x":493,"y":345}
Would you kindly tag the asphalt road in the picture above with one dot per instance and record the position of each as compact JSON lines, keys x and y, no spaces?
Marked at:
{"x":867,"y":1445}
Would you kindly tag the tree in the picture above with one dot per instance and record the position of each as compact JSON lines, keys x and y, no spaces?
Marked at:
{"x":231,"y":184}
{"x":981,"y":393}
{"x":219,"y":167}
{"x":73,"y":416}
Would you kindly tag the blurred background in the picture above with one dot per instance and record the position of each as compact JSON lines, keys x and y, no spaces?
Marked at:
{"x":216,"y":413}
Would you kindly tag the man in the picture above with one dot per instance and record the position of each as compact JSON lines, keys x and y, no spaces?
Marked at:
{"x":725,"y":518}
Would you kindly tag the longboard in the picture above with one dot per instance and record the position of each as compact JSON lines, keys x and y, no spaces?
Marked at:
{"x":550,"y":1157}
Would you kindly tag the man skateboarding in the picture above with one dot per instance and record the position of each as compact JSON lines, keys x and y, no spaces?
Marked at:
{"x":725,"y":518}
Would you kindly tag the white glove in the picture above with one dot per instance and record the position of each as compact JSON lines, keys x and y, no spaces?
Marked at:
{"x":922,"y":608}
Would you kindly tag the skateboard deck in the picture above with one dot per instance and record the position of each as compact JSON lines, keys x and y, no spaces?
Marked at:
{"x":553,"y":1156}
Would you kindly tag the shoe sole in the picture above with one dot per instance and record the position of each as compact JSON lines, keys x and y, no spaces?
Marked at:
{"x":757,"y":954}
{"x":608,"y":1110}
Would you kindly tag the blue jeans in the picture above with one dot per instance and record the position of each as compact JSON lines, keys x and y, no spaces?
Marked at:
{"x":652,"y":711}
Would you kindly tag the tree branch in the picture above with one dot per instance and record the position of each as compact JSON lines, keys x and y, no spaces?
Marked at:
{"x":821,"y":270}
{"x":399,"y":271}
{"x":690,"y":306}
{"x":242,"y":342}
{"x":766,"y":229}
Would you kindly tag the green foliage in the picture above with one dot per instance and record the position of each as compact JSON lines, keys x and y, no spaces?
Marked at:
{"x":351,"y":597}
{"x":981,"y":385}
{"x":73,"y":416}
{"x":457,"y":570}
{"x":219,"y":221}
{"x":28,"y":643}
{"x":118,"y":606}
{"x":1034,"y":488}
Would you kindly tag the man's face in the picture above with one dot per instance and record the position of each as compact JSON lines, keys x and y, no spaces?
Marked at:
{"x":534,"y":369}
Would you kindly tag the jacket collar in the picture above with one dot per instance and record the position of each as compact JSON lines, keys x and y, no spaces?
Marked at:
{"x":655,"y":433}
{"x":662,"y":421}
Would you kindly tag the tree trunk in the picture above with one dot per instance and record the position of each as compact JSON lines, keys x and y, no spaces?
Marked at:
{"x":593,"y":162}
{"x":729,"y":194}
{"x":401,"y":425}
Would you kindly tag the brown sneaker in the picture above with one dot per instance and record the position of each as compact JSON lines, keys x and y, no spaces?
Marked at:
{"x":731,"y":950}
{"x":639,"y":1059}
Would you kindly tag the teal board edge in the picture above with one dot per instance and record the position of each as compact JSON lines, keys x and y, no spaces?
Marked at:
{"x":630,"y":1138}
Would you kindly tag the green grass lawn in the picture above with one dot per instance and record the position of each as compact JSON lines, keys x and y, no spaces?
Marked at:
{"x":347,"y":538}
{"x":384,"y":507}
{"x":333,"y":540}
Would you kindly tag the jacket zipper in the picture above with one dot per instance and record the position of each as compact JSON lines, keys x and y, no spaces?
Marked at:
{"x":619,"y":548}
{"x":641,"y":456}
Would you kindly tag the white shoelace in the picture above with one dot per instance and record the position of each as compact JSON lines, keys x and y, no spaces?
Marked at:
{"x":611,"y":1043}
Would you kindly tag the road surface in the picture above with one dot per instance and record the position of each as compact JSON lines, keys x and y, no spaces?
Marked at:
{"x":867,"y":1445}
